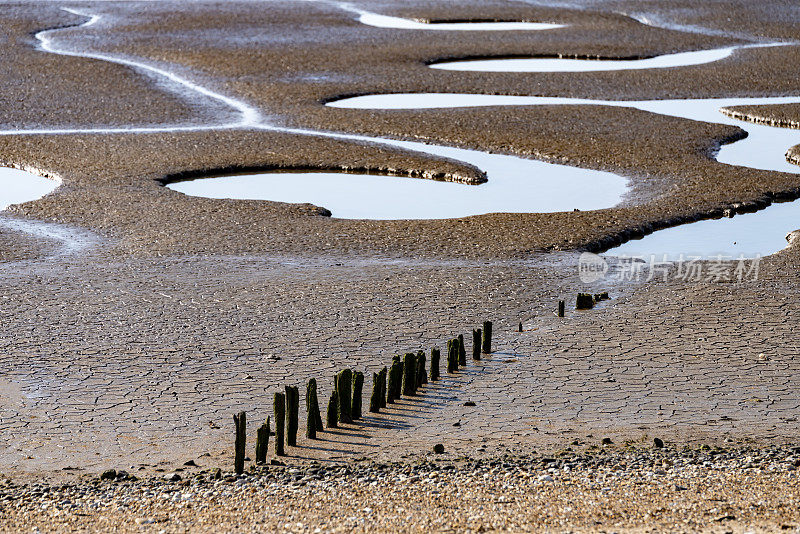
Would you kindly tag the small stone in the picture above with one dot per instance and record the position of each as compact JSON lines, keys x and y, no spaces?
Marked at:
{"x":546,"y":478}
{"x":276,"y":462}
{"x":658,"y":443}
{"x":190,"y":463}
{"x":217,"y":474}
{"x":607,"y":441}
{"x":174,"y":477}
{"x":469,"y":403}
{"x":678,"y":487}
{"x":438,"y":448}
{"x":122,"y":475}
{"x":109,"y":474}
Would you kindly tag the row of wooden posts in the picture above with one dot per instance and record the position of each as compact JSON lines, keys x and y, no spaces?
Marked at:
{"x":405,"y":375}
{"x":584,"y":301}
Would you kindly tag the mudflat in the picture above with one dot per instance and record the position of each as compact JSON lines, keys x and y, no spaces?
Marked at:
{"x":133,"y":334}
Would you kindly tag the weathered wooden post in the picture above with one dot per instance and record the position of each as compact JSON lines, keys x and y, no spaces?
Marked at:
{"x":391,"y":377}
{"x":398,"y":380}
{"x":279,"y":409}
{"x":395,"y":380}
{"x":382,"y":377}
{"x":561,"y":308}
{"x":344,"y":386}
{"x":487,"y":337}
{"x":584,"y":301}
{"x":358,"y":388}
{"x":476,"y":344}
{"x":435,"y":370}
{"x":462,"y":351}
{"x":519,"y":329}
{"x":240,"y":422}
{"x":452,"y":356}
{"x":410,"y":374}
{"x":314,"y":421}
{"x":332,"y":416}
{"x":262,"y":443}
{"x":422,"y":374}
{"x":375,"y":398}
{"x":292,"y":414}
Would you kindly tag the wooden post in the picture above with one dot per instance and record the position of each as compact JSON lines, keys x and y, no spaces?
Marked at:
{"x":358,"y":388}
{"x":382,"y":377}
{"x":333,"y":410}
{"x":487,"y":337}
{"x":292,"y":414}
{"x":422,"y":373}
{"x":395,"y":387}
{"x":452,"y":356}
{"x":240,"y":423}
{"x":344,"y":386}
{"x":398,"y":379}
{"x":584,"y":301}
{"x":392,"y":376}
{"x":262,"y":443}
{"x":410,"y":374}
{"x":476,"y":344}
{"x":375,"y":398}
{"x":435,"y":370}
{"x":520,"y":327}
{"x":561,"y":308}
{"x":462,"y":351}
{"x":314,"y":420}
{"x":279,"y":408}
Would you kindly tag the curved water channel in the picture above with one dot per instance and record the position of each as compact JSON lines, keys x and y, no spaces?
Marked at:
{"x":514,"y":184}
{"x":397,"y":23}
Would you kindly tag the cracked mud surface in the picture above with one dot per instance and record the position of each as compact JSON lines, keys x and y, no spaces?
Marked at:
{"x":137,"y":350}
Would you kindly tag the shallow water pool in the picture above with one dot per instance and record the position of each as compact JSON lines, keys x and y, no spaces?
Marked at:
{"x":18,"y":186}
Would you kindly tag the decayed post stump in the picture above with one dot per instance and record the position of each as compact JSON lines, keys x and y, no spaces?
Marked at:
{"x":314,"y":421}
{"x":476,"y":344}
{"x":279,"y":408}
{"x":382,"y":377}
{"x":344,"y":386}
{"x":452,"y":356}
{"x":422,"y":373}
{"x":262,"y":443}
{"x":487,"y":337}
{"x":333,"y":410}
{"x":358,"y":387}
{"x":462,"y":351}
{"x":240,"y":423}
{"x":375,"y":398}
{"x":435,"y":357}
{"x":292,"y":414}
{"x":410,"y":374}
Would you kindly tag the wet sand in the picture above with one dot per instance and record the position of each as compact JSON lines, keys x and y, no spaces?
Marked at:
{"x":137,"y":350}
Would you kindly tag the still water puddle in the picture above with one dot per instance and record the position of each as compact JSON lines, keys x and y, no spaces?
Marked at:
{"x":383,"y":21}
{"x":515,"y":185}
{"x":759,"y":233}
{"x":18,"y":186}
{"x":549,"y":64}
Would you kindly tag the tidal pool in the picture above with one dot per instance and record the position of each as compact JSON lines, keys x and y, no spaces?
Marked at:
{"x":515,"y":185}
{"x":747,"y":235}
{"x":18,"y":186}
{"x":550,"y":64}
{"x":384,"y":21}
{"x":760,"y":233}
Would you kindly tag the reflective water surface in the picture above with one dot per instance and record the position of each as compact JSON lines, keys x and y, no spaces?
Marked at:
{"x":546,"y":64}
{"x":18,"y":186}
